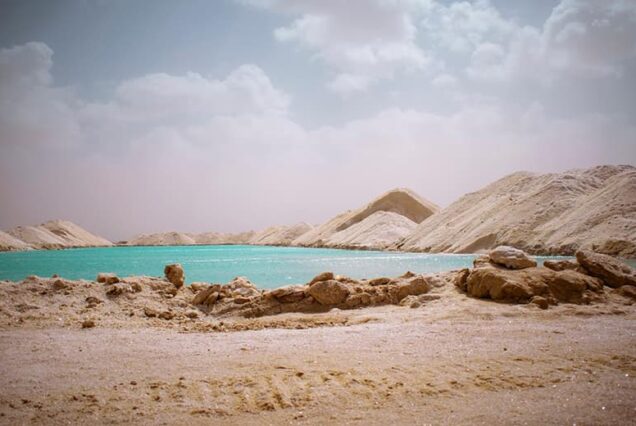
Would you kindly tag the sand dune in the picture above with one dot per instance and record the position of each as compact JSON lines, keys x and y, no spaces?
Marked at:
{"x":10,"y":243}
{"x":280,"y":235}
{"x":56,"y":234}
{"x":400,"y":201}
{"x":377,"y":231}
{"x":551,"y":213}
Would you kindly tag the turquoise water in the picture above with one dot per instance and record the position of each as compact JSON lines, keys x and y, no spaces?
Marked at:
{"x":268,"y":267}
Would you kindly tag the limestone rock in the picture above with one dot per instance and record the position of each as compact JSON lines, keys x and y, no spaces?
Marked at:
{"x":329,"y":292}
{"x":511,"y":258}
{"x":174,"y":273}
{"x":562,"y":265}
{"x":414,"y":287}
{"x":289,"y":294}
{"x":520,"y":286}
{"x":613,"y":272}
{"x":325,"y":276}
{"x":107,"y":278}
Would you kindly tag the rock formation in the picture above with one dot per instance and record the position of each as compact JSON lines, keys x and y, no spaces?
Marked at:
{"x":565,"y":282}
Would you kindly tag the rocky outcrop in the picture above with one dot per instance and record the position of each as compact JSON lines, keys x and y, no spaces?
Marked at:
{"x":324,"y":292}
{"x":511,"y":258}
{"x":612,"y":271}
{"x":560,"y":281}
{"x":521,"y":286}
{"x":174,"y":274}
{"x":554,"y":213}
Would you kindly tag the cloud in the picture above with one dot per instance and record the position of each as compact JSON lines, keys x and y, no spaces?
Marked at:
{"x":194,"y":152}
{"x":362,"y":41}
{"x":580,"y":39}
{"x":31,"y":111}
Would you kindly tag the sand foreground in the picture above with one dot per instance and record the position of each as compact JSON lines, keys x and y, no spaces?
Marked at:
{"x":455,"y":360}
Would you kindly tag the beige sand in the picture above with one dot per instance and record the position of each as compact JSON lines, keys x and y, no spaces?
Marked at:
{"x":56,"y":234}
{"x":552,"y":213}
{"x":455,"y":360}
{"x":10,"y":243}
{"x":401,"y":201}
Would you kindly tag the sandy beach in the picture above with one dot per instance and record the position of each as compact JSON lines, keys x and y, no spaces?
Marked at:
{"x":454,"y":360}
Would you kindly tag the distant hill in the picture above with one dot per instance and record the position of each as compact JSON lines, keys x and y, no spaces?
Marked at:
{"x":552,"y":213}
{"x":371,"y":230}
{"x":52,"y":235}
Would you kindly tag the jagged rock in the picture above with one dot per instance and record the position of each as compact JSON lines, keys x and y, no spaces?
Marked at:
{"x":628,"y":291}
{"x":414,"y":287}
{"x":107,"y":278}
{"x":541,"y":302}
{"x":174,"y":273}
{"x":562,"y":265}
{"x":481,"y":261}
{"x":329,"y":292}
{"x":613,"y":272}
{"x":289,"y":294}
{"x":118,"y":289}
{"x":325,"y":276}
{"x":241,"y":286}
{"x":511,"y":258}
{"x":207,"y":296}
{"x":379,"y":281}
{"x":460,"y":279}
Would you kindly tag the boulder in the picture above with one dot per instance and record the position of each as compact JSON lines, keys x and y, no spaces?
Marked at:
{"x":329,"y":292}
{"x":613,"y":272}
{"x":511,"y":258}
{"x":562,"y":265}
{"x":414,"y":287}
{"x":174,"y":273}
{"x":325,"y":276}
{"x":207,"y":296}
{"x":241,"y":286}
{"x":107,"y":278}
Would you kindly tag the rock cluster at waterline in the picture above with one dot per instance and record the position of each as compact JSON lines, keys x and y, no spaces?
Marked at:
{"x":593,"y":280}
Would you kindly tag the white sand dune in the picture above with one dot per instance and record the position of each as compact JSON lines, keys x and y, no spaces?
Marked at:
{"x":377,"y":231}
{"x":10,"y":243}
{"x":400,"y":201}
{"x":56,"y":234}
{"x":280,"y":235}
{"x":550,"y":213}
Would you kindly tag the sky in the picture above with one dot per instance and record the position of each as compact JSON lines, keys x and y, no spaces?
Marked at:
{"x":231,"y":115}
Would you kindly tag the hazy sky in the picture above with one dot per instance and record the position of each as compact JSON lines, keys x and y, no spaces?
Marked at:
{"x":196,"y":115}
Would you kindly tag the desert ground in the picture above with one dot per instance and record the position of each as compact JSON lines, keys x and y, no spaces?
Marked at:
{"x":452,"y":360}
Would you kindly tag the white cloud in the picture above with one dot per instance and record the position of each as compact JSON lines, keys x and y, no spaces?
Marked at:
{"x":362,"y":41}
